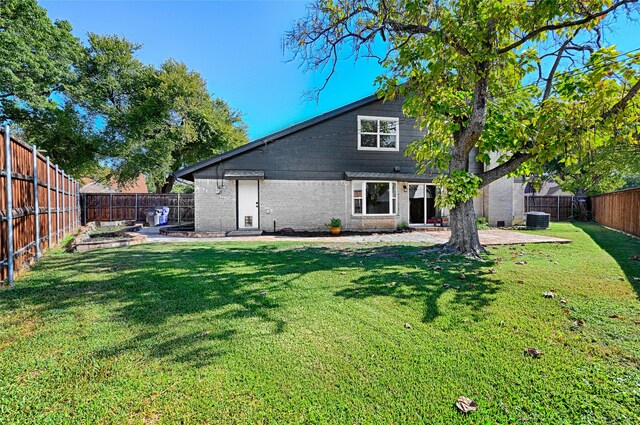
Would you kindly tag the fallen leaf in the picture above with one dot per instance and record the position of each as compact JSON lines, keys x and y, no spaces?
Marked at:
{"x":521,"y":263}
{"x":437,"y":268}
{"x":456,"y":287}
{"x":621,"y":279}
{"x":446,"y":285}
{"x":565,"y":311}
{"x":579,"y":322}
{"x":615,"y":316}
{"x":405,"y":275}
{"x":466,"y":405}
{"x":635,"y":257}
{"x":471,"y":285}
{"x":343,"y":273}
{"x":521,"y":281}
{"x":493,"y":271}
{"x":462,"y":276}
{"x":533,"y":352}
{"x":548,"y":294}
{"x":563,"y":300}
{"x":407,"y":326}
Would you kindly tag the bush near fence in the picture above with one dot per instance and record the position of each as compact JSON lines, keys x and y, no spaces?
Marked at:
{"x":44,"y":205}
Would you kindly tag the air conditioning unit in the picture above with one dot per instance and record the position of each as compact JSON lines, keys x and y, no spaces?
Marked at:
{"x":537,"y":220}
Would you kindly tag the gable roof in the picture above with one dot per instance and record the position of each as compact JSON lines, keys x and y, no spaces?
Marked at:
{"x":187,"y":172}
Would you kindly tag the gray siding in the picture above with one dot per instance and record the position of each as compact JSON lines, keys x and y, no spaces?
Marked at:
{"x":326,"y":150}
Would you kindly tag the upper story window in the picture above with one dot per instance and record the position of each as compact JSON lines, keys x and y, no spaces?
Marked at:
{"x":378,"y":133}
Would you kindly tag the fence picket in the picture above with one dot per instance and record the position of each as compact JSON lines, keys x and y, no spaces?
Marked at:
{"x":619,"y":210}
{"x":131,"y":206}
{"x":22,"y":228}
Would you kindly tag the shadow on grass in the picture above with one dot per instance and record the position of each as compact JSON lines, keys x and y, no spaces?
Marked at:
{"x":164,"y":294}
{"x":432,"y":277}
{"x":622,"y":248}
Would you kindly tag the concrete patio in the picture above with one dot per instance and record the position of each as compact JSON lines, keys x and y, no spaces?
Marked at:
{"x":487,"y":237}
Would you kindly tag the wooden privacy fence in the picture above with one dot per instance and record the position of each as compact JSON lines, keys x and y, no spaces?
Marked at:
{"x":619,"y":210}
{"x":39,"y":205}
{"x":558,"y":207}
{"x":132,"y":206}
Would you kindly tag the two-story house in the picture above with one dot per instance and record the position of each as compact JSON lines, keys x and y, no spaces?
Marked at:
{"x":348,"y":163}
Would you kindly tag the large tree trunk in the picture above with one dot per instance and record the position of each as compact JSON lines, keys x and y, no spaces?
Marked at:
{"x":167,"y":186}
{"x":464,"y":231}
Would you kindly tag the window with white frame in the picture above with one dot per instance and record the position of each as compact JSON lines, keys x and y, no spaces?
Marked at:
{"x":378,"y":133}
{"x":374,"y":198}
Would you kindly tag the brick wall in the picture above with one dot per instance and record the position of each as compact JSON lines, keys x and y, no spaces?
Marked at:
{"x":301,"y":205}
{"x":215,"y":205}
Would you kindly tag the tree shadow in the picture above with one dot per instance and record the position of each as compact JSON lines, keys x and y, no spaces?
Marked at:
{"x":624,"y":249}
{"x":164,"y":294}
{"x":436,"y":276}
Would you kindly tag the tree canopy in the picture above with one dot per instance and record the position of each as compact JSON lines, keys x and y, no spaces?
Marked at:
{"x":154,"y":120}
{"x":97,"y":104}
{"x":533,"y":82}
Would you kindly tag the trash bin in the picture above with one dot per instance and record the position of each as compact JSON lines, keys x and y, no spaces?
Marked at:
{"x":164,"y":217}
{"x":153,"y":216}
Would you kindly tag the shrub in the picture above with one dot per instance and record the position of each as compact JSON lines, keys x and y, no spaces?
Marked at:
{"x":334,"y":222}
{"x":403,"y":225}
{"x":482,"y":223}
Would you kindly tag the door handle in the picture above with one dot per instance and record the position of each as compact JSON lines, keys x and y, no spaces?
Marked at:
{"x":256,"y":205}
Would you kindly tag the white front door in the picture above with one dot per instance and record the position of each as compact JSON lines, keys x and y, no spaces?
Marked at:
{"x":248,"y":204}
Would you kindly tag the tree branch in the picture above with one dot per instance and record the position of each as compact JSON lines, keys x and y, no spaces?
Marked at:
{"x":547,"y":89}
{"x":568,"y":24}
{"x":623,"y":102}
{"x":505,"y":168}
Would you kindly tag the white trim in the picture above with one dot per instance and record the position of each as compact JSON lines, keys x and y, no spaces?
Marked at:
{"x":364,"y":199}
{"x":378,"y":133}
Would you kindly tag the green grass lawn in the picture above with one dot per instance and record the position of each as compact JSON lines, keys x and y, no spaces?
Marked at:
{"x":314,"y":333}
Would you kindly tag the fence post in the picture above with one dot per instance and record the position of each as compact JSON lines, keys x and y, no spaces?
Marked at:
{"x":48,"y":202}
{"x":85,"y":208}
{"x":64,"y":195}
{"x":110,"y":207}
{"x":558,"y":208}
{"x":70,"y":201}
{"x":9,"y":188}
{"x":71,"y":207}
{"x":57,"y":206}
{"x":36,"y":204}
{"x":78,"y":219}
{"x":178,"y":208}
{"x":136,"y":219}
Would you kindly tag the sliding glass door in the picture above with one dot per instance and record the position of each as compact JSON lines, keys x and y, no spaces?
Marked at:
{"x":422,"y":206}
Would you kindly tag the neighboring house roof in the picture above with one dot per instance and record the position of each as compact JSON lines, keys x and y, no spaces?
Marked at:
{"x":92,"y":186}
{"x":137,"y":186}
{"x":187,"y":172}
{"x":548,"y":188}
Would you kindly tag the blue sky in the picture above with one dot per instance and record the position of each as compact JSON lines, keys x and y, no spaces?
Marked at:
{"x":236,"y":46}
